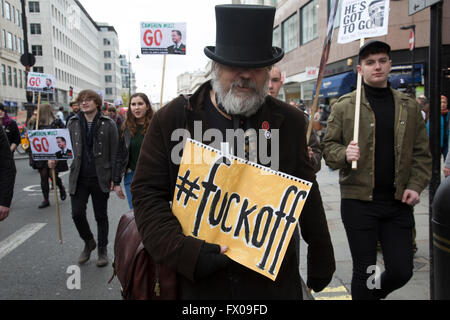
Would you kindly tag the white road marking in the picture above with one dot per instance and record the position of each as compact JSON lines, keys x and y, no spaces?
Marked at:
{"x":19,"y":237}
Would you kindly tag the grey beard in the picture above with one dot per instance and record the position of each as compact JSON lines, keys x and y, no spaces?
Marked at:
{"x":239,"y":105}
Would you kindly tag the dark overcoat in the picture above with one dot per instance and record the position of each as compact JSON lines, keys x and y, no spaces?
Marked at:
{"x":153,"y":188}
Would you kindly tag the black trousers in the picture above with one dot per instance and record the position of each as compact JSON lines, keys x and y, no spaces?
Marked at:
{"x":45,"y":174}
{"x":86,"y":187}
{"x":391,"y":223}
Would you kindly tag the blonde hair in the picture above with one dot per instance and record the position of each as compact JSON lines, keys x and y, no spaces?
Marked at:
{"x":46,"y":116}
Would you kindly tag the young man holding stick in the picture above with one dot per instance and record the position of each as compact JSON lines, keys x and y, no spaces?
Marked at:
{"x":394,"y":166}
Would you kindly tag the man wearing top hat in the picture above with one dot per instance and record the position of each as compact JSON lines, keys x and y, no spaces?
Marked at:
{"x":235,"y":98}
{"x":393,"y":167}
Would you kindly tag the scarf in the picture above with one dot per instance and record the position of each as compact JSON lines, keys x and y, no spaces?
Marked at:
{"x":88,"y":134}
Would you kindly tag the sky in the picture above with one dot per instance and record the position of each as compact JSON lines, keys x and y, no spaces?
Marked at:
{"x":125,"y":17}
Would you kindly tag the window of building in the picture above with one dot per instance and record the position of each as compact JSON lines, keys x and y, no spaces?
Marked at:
{"x":310,"y":21}
{"x":106,"y":42}
{"x":7,"y":10}
{"x":107,"y":54}
{"x":15,"y":77}
{"x":290,"y":33}
{"x":2,"y":7}
{"x":108,"y":90}
{"x":19,"y":18}
{"x":38,"y":69}
{"x":276,"y":37}
{"x":13,"y":14}
{"x":3,"y":74}
{"x":108,"y":78}
{"x":4,"y":38}
{"x":20,"y":79}
{"x":337,"y":19}
{"x":10,"y":41}
{"x":35,"y":28}
{"x":108,"y":66}
{"x":36,"y":50}
{"x":9,"y":76}
{"x":34,"y":6}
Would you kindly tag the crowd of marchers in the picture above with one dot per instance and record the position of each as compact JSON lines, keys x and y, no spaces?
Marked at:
{"x":378,"y":197}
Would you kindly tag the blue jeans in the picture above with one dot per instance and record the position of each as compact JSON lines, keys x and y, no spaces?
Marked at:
{"x":127,"y":182}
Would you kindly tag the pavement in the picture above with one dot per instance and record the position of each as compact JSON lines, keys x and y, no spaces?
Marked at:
{"x":418,"y":288}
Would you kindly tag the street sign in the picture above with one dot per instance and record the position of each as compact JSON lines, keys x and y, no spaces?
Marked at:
{"x":27,"y":60}
{"x":418,"y":5}
{"x":411,"y":40}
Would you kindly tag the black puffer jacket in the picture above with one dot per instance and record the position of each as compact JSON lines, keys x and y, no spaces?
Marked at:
{"x":7,"y":171}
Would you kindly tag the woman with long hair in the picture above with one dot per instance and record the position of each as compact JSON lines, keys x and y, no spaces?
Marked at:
{"x":11,"y":129}
{"x":133,"y":130}
{"x":47,"y":120}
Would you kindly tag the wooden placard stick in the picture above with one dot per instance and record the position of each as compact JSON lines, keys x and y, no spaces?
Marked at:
{"x":162,"y":82}
{"x":357,"y":108}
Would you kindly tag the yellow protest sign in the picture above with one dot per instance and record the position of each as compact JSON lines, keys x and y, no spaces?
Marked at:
{"x":226,"y":200}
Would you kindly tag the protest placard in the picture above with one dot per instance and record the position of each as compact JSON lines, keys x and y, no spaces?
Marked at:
{"x":363,"y":19}
{"x":229,"y":201}
{"x":163,"y":38}
{"x":50,"y":144}
{"x":40,"y":82}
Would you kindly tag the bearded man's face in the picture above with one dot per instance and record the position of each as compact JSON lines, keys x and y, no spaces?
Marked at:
{"x":241,"y":91}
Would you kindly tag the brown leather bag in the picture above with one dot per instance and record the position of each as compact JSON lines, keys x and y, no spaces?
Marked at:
{"x":141,"y":278}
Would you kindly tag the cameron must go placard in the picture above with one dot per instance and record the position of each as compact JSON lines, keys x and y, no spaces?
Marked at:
{"x":228,"y":201}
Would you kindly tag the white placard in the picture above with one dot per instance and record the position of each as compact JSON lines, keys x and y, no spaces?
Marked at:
{"x":363,"y":19}
{"x":163,"y":38}
{"x":40,"y":82}
{"x":50,"y":144}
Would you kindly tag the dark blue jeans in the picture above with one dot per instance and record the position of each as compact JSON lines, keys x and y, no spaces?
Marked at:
{"x":89,"y":187}
{"x":391,"y":223}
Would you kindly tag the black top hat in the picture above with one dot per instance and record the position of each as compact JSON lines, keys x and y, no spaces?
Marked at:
{"x":244,"y":37}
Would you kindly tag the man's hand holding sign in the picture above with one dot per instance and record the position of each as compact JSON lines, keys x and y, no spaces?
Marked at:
{"x":248,"y":208}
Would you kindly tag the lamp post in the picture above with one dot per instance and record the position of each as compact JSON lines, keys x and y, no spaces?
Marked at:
{"x":129,"y":75}
{"x":411,"y":27}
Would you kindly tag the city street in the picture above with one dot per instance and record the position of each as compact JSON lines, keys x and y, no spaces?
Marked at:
{"x":34,"y":264}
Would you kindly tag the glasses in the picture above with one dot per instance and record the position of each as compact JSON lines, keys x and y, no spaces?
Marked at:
{"x":87,"y":100}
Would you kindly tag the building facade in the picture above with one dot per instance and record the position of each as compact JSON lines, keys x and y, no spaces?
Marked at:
{"x":67,"y":43}
{"x":300,"y":29}
{"x":109,"y":44}
{"x":189,"y":82}
{"x":128,"y":76}
{"x":12,"y":82}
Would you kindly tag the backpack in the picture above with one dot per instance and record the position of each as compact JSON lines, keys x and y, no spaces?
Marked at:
{"x":140,"y":277}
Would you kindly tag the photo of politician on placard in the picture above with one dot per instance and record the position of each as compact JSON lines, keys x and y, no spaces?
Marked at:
{"x":50,"y":144}
{"x":163,"y":38}
{"x":178,"y":47}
